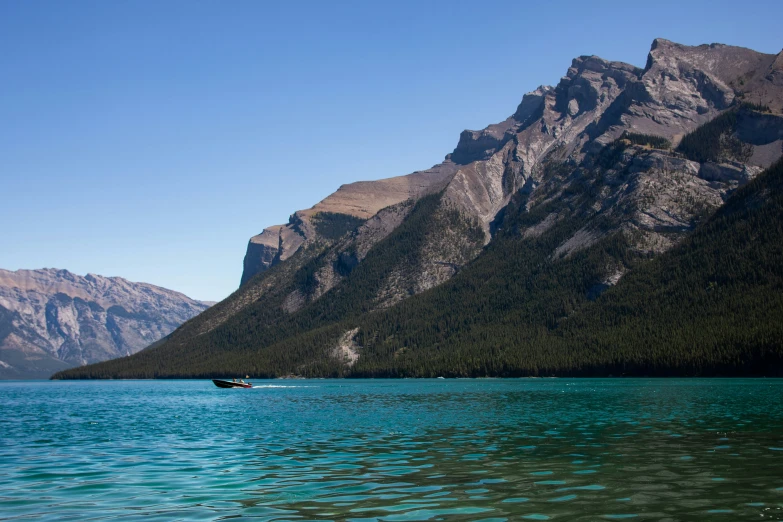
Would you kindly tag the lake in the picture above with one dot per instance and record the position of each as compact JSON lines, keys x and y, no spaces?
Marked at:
{"x":489,"y":449}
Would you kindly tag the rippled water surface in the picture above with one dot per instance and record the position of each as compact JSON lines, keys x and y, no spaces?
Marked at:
{"x":492,"y":450}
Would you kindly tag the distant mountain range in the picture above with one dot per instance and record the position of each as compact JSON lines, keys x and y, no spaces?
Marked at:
{"x":52,"y":319}
{"x":617,"y":223}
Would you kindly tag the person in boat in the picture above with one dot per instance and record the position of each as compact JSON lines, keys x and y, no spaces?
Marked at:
{"x":234,"y":379}
{"x":241,"y":381}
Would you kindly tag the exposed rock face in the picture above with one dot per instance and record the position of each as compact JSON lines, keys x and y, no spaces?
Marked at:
{"x":347,"y":350}
{"x":680,"y":88}
{"x":362,"y":199}
{"x":52,"y":319}
{"x":261,"y":252}
{"x":552,"y":149}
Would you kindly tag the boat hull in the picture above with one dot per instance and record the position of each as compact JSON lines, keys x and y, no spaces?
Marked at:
{"x":220,"y":383}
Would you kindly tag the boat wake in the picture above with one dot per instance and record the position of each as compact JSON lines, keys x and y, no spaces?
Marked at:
{"x":279,"y":386}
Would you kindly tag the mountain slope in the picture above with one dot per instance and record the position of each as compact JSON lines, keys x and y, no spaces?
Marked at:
{"x":711,"y":305}
{"x":526,"y":223}
{"x":52,"y":319}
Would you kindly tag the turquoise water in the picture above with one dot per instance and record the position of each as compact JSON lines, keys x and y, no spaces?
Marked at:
{"x":492,"y":450}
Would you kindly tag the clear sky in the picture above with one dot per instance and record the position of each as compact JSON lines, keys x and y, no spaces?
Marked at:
{"x":151,"y":139}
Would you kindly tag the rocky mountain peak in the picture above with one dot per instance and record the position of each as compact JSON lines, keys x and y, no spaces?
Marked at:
{"x":52,"y":318}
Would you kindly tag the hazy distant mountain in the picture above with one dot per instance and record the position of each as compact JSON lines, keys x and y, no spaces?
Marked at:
{"x":53,"y":319}
{"x":524,"y":226}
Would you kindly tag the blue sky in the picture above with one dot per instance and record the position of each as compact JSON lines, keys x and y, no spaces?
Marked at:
{"x":151,"y":139}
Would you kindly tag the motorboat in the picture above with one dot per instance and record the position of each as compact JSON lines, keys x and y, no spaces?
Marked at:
{"x":220,"y":383}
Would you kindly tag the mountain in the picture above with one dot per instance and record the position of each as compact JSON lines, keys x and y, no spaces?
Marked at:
{"x":482,"y":264}
{"x":52,"y":319}
{"x":680,"y":88}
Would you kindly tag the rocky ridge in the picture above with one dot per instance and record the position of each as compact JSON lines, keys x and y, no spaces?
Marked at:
{"x":53,"y":319}
{"x":679,"y":89}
